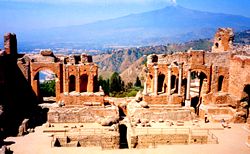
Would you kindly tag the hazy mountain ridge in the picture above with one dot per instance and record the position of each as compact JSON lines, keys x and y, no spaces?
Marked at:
{"x":167,"y":25}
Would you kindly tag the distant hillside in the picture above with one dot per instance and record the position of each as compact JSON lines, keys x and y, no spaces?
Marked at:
{"x":134,"y":70}
{"x":242,"y":37}
{"x":119,"y":60}
{"x":128,"y":62}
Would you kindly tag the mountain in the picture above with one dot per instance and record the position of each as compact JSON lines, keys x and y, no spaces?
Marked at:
{"x":170,"y":24}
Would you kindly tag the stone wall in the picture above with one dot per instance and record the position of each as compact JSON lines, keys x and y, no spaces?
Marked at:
{"x":81,"y":114}
{"x":164,"y":99}
{"x":239,"y":75}
{"x":161,"y":113}
{"x":152,"y":140}
{"x":89,"y":99}
{"x":105,"y":141}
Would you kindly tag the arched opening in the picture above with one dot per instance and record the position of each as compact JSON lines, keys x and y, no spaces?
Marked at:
{"x":196,"y":87}
{"x":46,"y":84}
{"x":161,"y":79}
{"x":217,"y":45}
{"x":220,"y":82}
{"x":84,"y":83}
{"x":155,"y":58}
{"x":72,"y":83}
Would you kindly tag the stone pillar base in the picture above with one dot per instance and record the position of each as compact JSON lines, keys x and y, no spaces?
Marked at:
{"x":187,"y":103}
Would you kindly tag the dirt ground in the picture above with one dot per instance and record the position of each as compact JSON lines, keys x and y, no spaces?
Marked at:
{"x":231,"y":141}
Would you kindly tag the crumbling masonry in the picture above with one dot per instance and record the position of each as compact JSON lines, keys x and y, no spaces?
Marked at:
{"x":178,"y":87}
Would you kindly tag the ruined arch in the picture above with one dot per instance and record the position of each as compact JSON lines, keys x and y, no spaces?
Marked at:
{"x":84,"y":83}
{"x":36,"y":68}
{"x":72,"y":83}
{"x":205,"y":74}
{"x":39,"y":81}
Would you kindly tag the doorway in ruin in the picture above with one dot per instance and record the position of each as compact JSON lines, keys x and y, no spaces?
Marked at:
{"x":84,"y":83}
{"x":173,"y":80}
{"x":46,"y":86}
{"x":184,"y":89}
{"x":161,"y":87}
{"x":196,"y":85}
{"x":123,"y":136}
{"x":220,"y":82}
{"x":72,"y":83}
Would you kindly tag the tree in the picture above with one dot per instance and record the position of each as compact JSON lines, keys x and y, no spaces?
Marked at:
{"x":48,"y":88}
{"x":116,"y":84}
{"x":104,"y":84}
{"x":137,"y":82}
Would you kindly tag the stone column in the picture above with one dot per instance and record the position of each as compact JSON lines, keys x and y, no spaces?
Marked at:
{"x":169,"y":79}
{"x":66,"y":78}
{"x":77,"y":82}
{"x":180,"y":79}
{"x":156,"y":80}
{"x":187,"y":101}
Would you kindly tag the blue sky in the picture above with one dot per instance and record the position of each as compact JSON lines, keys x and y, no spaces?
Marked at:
{"x":23,"y":15}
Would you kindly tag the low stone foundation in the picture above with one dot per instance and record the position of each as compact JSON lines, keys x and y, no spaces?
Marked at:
{"x":149,"y":137}
{"x":110,"y":141}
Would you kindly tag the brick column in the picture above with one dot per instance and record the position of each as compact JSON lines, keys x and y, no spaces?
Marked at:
{"x":187,"y":101}
{"x":180,"y":79}
{"x":156,"y":80}
{"x":65,"y":79}
{"x":77,"y":84}
{"x":169,"y":79}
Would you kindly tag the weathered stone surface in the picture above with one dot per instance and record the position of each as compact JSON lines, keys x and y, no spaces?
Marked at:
{"x":138,"y":96}
{"x":47,"y":52}
{"x":82,"y":114}
{"x":223,"y":40}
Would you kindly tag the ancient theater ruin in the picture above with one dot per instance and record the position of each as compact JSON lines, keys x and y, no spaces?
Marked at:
{"x":183,"y":94}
